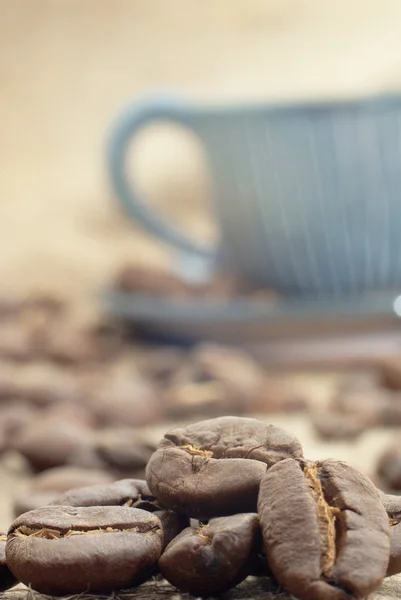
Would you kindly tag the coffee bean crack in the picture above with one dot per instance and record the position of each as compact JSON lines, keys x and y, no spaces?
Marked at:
{"x":326,"y":518}
{"x":56,"y":534}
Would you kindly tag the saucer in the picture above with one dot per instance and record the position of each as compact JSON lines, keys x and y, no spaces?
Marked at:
{"x":261,"y":323}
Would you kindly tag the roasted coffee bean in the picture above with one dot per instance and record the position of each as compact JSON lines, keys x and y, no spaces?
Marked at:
{"x":15,"y":415}
{"x":67,"y":345}
{"x":48,"y":443}
{"x":388,"y":469}
{"x":126,"y":492}
{"x":60,"y":550}
{"x":172,"y":523}
{"x":7,"y":579}
{"x":213,"y":558}
{"x":61,"y":479}
{"x":213,"y":468}
{"x":359,"y":381}
{"x":392,"y":504}
{"x":151,"y":281}
{"x":213,"y":380}
{"x":9,"y":387}
{"x":159,"y":365}
{"x":336,"y":426}
{"x":45,"y":387}
{"x":325,"y":530}
{"x":15,"y":343}
{"x":122,"y":452}
{"x":126,"y":402}
{"x":391,"y":373}
{"x":33,"y":499}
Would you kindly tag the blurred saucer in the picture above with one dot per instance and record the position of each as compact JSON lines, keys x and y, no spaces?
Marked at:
{"x":255,"y":321}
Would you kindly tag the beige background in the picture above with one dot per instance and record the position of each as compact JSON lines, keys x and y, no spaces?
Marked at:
{"x":67,"y":66}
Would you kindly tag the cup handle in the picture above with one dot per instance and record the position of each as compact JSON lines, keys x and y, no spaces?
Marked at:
{"x":126,"y":127}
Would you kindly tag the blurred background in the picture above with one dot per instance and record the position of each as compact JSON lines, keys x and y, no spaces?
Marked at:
{"x":67,"y":67}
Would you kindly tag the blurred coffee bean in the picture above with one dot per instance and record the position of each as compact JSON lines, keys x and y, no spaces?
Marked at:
{"x":67,"y":345}
{"x":9,"y":387}
{"x":215,"y":380}
{"x":391,"y":373}
{"x":372,"y":408}
{"x":15,"y":343}
{"x":277,"y":395}
{"x":360,"y":381}
{"x":44,"y":386}
{"x":16,"y":414}
{"x":48,"y":443}
{"x":335,"y":426}
{"x":388,"y":468}
{"x":121,"y":452}
{"x":211,"y":398}
{"x":7,"y":579}
{"x":61,"y":479}
{"x":86,"y":457}
{"x":126,"y":401}
{"x":151,"y":281}
{"x":48,"y":304}
{"x":227,"y":364}
{"x":74,"y":413}
{"x":31,"y":499}
{"x":160,"y":364}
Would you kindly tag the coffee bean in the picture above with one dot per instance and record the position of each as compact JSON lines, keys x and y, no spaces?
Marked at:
{"x":15,"y":343}
{"x":392,"y":504}
{"x":391,"y":373}
{"x":61,"y":479}
{"x":359,"y":381}
{"x":9,"y":387}
{"x":67,"y":345}
{"x":336,"y":426}
{"x":126,"y":402}
{"x":7,"y":579}
{"x":172,"y":523}
{"x":126,"y":492}
{"x":15,"y":415}
{"x":44,"y":386}
{"x":214,"y":380}
{"x":213,"y":468}
{"x":66,"y":550}
{"x":325,"y":530}
{"x":388,"y":468}
{"x":151,"y":281}
{"x":32,"y":499}
{"x":370,"y":407}
{"x":160,"y":364}
{"x":47,"y":444}
{"x":122,"y":452}
{"x":213,"y":558}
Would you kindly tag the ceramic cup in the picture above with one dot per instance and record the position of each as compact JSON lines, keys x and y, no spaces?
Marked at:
{"x":307,"y":196}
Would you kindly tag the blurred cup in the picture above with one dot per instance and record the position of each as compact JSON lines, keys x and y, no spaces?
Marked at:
{"x":307,"y":196}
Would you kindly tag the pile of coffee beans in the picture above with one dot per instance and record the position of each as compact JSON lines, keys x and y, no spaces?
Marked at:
{"x":223,"y":499}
